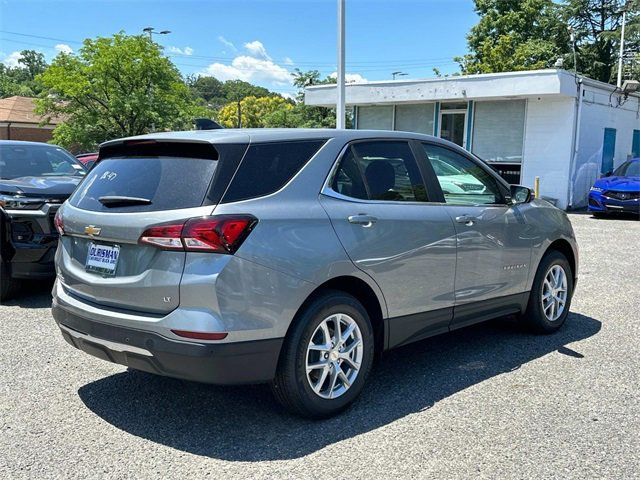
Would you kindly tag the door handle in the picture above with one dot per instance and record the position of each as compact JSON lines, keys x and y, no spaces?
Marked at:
{"x":362,"y":219}
{"x":468,"y":220}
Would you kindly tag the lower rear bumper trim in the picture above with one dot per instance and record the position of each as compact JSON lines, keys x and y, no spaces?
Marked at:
{"x":222,"y":364}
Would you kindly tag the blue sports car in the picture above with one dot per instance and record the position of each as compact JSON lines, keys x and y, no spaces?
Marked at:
{"x":619,"y":192}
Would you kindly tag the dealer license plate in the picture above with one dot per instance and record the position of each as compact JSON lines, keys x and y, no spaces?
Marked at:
{"x":102,"y":259}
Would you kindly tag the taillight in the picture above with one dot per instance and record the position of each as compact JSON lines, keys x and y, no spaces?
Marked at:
{"x":201,"y":335}
{"x":57,"y":221}
{"x":218,"y":234}
{"x":166,"y":237}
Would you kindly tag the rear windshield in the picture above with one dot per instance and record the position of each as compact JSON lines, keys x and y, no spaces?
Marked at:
{"x":17,"y":161}
{"x":168,"y":183}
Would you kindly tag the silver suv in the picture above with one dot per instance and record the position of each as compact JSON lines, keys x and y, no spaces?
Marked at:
{"x":295,"y":256}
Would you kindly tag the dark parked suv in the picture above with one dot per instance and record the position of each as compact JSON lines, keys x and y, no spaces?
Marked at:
{"x":35,"y":179}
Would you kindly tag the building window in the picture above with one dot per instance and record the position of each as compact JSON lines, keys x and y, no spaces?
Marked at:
{"x":415,"y":118}
{"x":498,"y":130}
{"x":635,"y":147}
{"x":375,"y":118}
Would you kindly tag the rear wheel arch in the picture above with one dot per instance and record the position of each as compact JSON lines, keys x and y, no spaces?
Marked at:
{"x":361,"y":291}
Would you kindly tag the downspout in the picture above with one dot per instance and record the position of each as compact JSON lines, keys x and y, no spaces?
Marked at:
{"x":9,"y":131}
{"x":576,"y":144}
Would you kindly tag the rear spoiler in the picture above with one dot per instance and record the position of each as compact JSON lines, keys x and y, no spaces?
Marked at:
{"x":156,"y":148}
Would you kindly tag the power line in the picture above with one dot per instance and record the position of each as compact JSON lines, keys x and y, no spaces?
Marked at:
{"x":415,"y":63}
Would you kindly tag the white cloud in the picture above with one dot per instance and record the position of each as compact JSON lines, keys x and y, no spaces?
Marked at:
{"x":256,"y":49}
{"x":227,"y":43}
{"x":288,"y":61}
{"x":63,"y":48}
{"x":250,"y":69}
{"x":181,"y":51}
{"x":11,"y":60}
{"x":258,"y":68}
{"x":351,"y":77}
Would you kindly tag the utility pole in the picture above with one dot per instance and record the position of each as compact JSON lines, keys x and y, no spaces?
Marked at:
{"x":340,"y":101}
{"x":624,"y":18}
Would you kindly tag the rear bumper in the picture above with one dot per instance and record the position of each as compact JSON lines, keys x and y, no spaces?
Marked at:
{"x":224,"y":364}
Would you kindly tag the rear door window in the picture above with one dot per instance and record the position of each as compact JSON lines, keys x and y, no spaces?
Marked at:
{"x":380,"y":170}
{"x":169,"y":183}
{"x":267,"y":167}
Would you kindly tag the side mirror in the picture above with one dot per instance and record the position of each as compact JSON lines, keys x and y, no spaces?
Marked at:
{"x":607,"y":174}
{"x":520,"y":194}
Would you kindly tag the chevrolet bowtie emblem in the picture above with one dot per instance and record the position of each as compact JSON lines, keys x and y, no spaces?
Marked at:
{"x":92,"y":230}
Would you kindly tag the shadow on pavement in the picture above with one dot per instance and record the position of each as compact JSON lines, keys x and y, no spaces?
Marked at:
{"x":246,"y":424}
{"x":31,"y":294}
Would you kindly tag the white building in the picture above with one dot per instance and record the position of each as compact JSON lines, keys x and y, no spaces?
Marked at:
{"x":546,"y":123}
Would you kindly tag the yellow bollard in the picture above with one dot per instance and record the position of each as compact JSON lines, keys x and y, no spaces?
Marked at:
{"x":536,"y":187}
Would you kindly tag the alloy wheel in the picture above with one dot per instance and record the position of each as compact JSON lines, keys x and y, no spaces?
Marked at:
{"x":334,"y":356}
{"x":554,"y":293}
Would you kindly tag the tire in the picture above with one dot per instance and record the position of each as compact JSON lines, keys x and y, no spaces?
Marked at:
{"x":293,"y":388}
{"x":537,"y":317}
{"x":7,"y":284}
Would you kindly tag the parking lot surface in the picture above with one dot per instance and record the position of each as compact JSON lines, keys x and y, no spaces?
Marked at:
{"x":490,"y":401}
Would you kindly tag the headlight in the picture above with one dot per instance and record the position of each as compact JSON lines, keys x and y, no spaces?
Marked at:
{"x":597,"y":189}
{"x":17,"y":202}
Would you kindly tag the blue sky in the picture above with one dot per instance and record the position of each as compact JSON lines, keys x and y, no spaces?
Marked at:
{"x":260,"y":41}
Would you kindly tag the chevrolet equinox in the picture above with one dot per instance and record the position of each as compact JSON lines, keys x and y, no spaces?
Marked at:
{"x":293,"y":257}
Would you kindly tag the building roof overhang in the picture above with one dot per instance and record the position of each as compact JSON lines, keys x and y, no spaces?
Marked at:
{"x":492,"y":86}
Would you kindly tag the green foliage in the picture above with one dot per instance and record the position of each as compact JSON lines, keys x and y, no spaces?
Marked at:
{"x":597,"y":25}
{"x":530,"y":34}
{"x":114,"y":87}
{"x":216,"y":93}
{"x":20,"y":80}
{"x":256,"y":112}
{"x":515,"y":35}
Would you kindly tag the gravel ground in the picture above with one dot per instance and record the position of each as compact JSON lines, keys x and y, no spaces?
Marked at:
{"x":486,"y":402}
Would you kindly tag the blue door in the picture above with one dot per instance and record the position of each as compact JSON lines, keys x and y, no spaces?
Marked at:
{"x":608,"y":150}
{"x":635,"y":149}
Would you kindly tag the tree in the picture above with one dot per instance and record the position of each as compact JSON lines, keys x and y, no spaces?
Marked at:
{"x":515,"y":35}
{"x":34,"y":63}
{"x":235,"y":90}
{"x":114,"y":87}
{"x":307,"y":116}
{"x":597,"y":25}
{"x":20,"y":80}
{"x":256,"y":112}
{"x":208,"y":88}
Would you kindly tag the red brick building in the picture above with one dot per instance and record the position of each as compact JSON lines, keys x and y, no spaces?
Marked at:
{"x":18,"y":121}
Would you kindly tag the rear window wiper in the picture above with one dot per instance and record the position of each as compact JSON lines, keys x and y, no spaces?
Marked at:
{"x":122,"y":201}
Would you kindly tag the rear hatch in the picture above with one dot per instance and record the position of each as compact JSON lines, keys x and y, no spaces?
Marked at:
{"x":134,"y":186}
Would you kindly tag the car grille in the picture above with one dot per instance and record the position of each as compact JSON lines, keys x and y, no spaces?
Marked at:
{"x":621,"y":195}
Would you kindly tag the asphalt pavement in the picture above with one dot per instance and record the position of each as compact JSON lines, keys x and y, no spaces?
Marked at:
{"x":490,"y":401}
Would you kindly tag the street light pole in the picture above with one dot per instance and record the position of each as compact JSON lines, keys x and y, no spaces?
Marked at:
{"x":340,"y":101}
{"x":150,"y":32}
{"x":624,"y":18}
